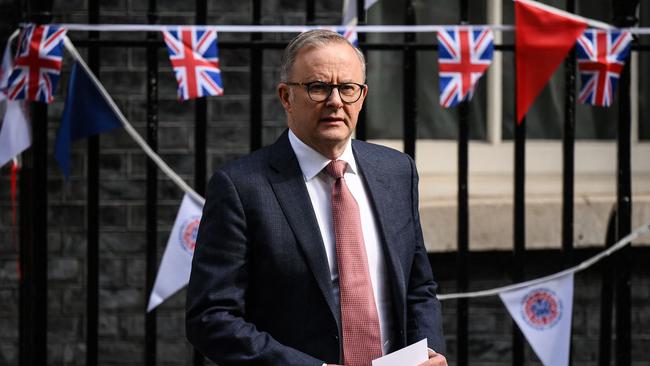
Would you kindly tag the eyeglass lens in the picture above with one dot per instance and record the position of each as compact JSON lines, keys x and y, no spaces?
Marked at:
{"x":321,"y":91}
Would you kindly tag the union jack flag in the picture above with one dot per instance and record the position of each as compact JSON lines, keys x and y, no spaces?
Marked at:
{"x":601,"y":57}
{"x":195,"y":57}
{"x":37,"y":65}
{"x":464,"y":53}
{"x":349,"y":32}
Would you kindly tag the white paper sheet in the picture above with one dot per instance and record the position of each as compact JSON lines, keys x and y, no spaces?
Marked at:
{"x":412,"y":355}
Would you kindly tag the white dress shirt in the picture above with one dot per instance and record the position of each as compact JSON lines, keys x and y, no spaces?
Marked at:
{"x":319,"y":185}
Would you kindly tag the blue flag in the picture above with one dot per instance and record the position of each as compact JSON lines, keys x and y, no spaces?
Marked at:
{"x":86,"y":113}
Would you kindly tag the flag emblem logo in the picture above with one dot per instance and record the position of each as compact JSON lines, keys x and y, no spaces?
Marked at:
{"x":189,"y":231}
{"x":541,"y":308}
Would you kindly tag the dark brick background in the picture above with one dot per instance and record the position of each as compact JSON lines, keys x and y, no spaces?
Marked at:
{"x":122,"y":191}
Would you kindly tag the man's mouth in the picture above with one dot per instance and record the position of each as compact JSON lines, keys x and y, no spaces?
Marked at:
{"x":332,"y":119}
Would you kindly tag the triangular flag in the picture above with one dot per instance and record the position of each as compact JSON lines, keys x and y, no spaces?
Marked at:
{"x":174,"y":271}
{"x":601,"y":58}
{"x":464,"y":53}
{"x":350,"y":20}
{"x":368,"y":3}
{"x":38,"y":63}
{"x":543,"y":37}
{"x":349,"y":12}
{"x":543,"y":312}
{"x":86,"y":113}
{"x":194,"y":55}
{"x":15,"y":134}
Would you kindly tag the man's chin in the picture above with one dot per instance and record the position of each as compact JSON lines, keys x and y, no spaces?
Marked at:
{"x":334,"y":135}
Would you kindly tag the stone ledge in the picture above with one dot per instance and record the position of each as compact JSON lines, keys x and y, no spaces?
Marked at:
{"x":491,"y":210}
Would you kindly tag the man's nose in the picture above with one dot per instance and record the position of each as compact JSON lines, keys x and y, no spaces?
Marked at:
{"x":334,"y":100}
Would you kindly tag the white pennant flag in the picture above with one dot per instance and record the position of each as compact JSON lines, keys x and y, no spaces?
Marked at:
{"x":174,"y":271}
{"x":15,"y":134}
{"x":350,"y":19}
{"x":543,"y":312}
{"x":350,"y":10}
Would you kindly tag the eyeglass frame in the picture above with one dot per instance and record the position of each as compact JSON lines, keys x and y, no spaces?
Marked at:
{"x":331,"y":87}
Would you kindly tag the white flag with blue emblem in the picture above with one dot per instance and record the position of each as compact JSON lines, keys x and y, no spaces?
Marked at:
{"x":174,"y":270}
{"x":15,"y":131}
{"x":543,"y":313}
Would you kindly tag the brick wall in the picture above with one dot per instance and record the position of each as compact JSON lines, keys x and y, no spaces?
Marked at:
{"x":122,"y":207}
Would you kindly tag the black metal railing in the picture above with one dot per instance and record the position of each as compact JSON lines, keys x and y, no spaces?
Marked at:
{"x":34,"y":199}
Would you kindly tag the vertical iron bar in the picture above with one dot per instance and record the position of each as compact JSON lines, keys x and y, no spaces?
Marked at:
{"x":462,"y":270}
{"x":33,"y":253}
{"x":152,"y":185}
{"x":624,"y":16}
{"x":360,"y":133}
{"x":606,"y":297}
{"x":462,"y":306}
{"x":200,"y":118}
{"x":568,"y":147}
{"x":519,"y":230}
{"x":410,"y":105}
{"x":200,"y":143}
{"x":624,"y":222}
{"x":256,"y":81}
{"x":311,"y":11}
{"x":33,"y":230}
{"x":92,"y":201}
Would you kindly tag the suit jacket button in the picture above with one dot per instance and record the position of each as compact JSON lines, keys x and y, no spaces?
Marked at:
{"x":335,"y":337}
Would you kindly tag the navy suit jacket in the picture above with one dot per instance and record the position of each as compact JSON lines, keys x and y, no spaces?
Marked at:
{"x":260,"y":292}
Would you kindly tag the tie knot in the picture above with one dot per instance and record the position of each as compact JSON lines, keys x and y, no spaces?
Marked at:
{"x":336,"y":168}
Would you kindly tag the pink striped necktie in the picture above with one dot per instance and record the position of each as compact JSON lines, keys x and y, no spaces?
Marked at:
{"x":359,"y":318}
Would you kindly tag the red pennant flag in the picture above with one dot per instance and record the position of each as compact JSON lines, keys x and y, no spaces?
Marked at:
{"x":543,"y":37}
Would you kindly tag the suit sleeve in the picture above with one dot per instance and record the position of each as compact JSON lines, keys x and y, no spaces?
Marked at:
{"x":216,"y":298}
{"x":424,"y":319}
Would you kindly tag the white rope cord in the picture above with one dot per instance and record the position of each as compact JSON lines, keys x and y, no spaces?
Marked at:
{"x":131,"y":131}
{"x":273,"y":28}
{"x":580,"y":267}
{"x":301,"y":28}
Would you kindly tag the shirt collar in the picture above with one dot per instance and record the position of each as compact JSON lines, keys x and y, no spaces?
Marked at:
{"x":312,"y":162}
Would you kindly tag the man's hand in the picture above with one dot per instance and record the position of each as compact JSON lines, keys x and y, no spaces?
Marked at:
{"x":435,"y":359}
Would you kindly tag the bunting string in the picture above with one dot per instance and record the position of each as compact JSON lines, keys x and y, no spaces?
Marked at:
{"x":580,"y":267}
{"x":131,"y":130}
{"x":271,"y":28}
{"x":301,"y":28}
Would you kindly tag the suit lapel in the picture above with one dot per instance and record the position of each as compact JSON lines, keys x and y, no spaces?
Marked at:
{"x":289,"y":187}
{"x":379,"y":190}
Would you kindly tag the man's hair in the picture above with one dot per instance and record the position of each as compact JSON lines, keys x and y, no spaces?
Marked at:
{"x":314,"y":38}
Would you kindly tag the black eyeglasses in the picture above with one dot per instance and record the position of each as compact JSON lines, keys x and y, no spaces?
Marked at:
{"x":319,"y":91}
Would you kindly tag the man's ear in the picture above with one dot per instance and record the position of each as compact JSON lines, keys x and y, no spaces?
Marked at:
{"x":285,"y":96}
{"x":363,"y":96}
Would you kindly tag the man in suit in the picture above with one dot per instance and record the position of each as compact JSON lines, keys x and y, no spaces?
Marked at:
{"x":310,"y":250}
